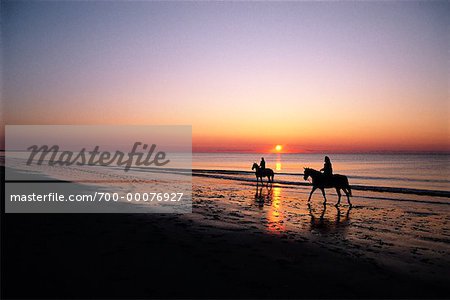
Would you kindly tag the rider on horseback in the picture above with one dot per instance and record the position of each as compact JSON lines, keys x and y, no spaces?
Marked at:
{"x":262,"y":164}
{"x":328,"y":180}
{"x":261,"y":171}
{"x":327,"y":168}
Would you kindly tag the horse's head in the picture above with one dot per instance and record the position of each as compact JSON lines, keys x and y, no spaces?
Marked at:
{"x":255,"y":166}
{"x":306,"y":173}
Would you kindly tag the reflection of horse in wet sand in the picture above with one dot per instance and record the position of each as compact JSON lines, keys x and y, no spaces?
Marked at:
{"x":327,"y":224}
{"x":263,"y":198}
{"x":322,"y":182}
{"x":260,"y":173}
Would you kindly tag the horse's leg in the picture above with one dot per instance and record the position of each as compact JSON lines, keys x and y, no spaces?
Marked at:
{"x":323,"y":193}
{"x":312,"y":191}
{"x":338,"y":191}
{"x":348,"y":197}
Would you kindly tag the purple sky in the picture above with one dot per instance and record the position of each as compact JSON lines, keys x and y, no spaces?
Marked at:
{"x":333,"y":75}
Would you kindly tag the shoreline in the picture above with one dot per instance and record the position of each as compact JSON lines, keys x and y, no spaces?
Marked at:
{"x":241,"y":241}
{"x":228,"y":175}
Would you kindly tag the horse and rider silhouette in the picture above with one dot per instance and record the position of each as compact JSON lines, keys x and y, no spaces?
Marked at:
{"x":323,"y":179}
{"x":328,"y":180}
{"x":261,"y":171}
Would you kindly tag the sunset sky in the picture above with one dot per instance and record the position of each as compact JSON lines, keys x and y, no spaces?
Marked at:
{"x":310,"y":76}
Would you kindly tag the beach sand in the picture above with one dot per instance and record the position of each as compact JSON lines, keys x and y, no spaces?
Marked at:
{"x":239,"y":242}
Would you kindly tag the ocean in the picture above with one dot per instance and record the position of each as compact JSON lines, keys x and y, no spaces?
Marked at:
{"x":415,"y":173}
{"x":420,"y":174}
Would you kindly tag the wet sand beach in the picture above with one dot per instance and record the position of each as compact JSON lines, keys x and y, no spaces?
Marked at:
{"x":241,"y":242}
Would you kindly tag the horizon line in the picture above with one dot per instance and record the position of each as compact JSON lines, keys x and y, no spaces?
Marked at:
{"x":439,"y":152}
{"x":422,"y":152}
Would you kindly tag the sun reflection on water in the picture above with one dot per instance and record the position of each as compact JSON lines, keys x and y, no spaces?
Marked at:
{"x":275,"y":213}
{"x":278,"y":162}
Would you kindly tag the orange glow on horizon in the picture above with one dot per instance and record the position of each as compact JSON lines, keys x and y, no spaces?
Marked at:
{"x":286,"y":86}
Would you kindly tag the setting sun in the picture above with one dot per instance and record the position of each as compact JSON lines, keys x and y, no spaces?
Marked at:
{"x":278,"y":148}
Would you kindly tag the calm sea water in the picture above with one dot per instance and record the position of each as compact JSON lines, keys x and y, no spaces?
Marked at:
{"x":401,"y":171}
{"x":428,"y":172}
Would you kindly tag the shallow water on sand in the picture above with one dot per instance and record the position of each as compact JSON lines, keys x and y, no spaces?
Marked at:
{"x":410,"y":234}
{"x":421,"y":171}
{"x":404,"y":231}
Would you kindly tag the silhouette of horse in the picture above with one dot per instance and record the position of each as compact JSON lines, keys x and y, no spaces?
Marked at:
{"x":263,"y":173}
{"x":322,"y":182}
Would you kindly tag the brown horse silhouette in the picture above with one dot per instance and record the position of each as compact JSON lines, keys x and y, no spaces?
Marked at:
{"x":263,"y":173}
{"x":322,"y":182}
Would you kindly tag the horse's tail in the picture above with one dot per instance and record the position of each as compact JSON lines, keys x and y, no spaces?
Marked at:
{"x":270,"y":174}
{"x":348,"y":187}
